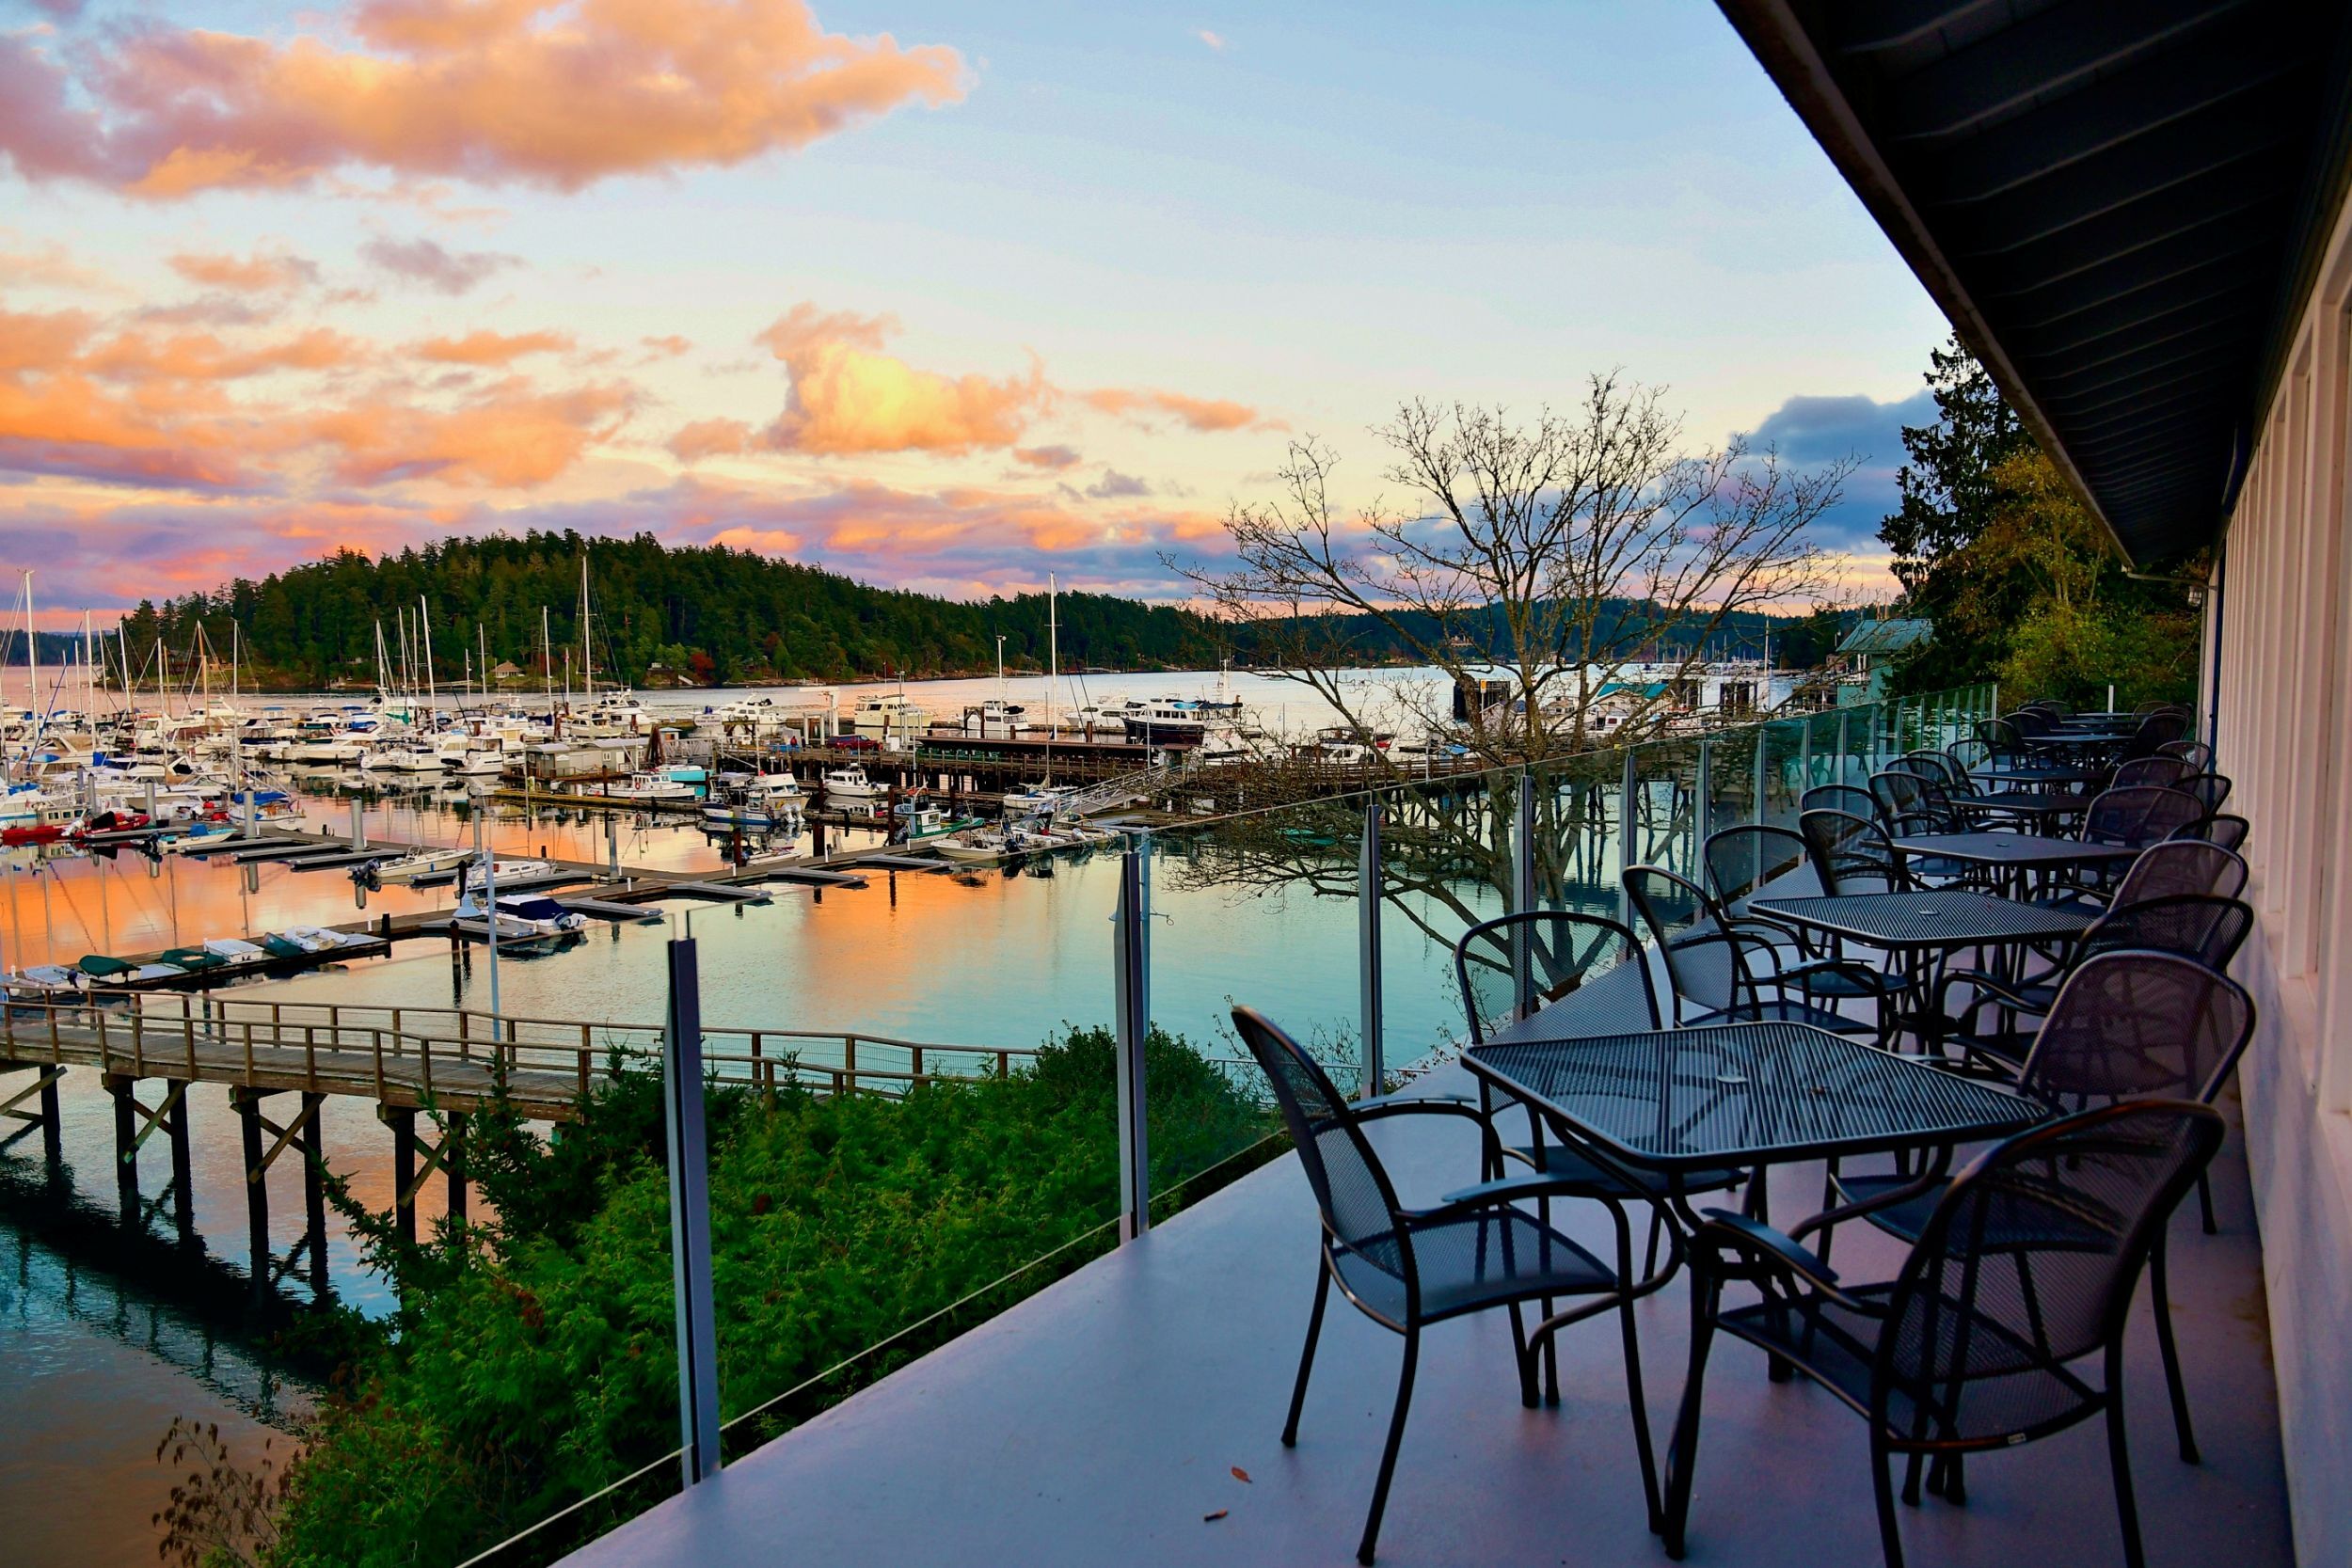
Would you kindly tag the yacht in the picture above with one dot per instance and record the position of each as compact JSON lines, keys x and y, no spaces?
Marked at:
{"x":765,"y":800}
{"x":654,"y":787}
{"x":888,"y":713}
{"x":541,"y":915}
{"x":407,"y":868}
{"x":1174,"y":720}
{"x":508,"y":871}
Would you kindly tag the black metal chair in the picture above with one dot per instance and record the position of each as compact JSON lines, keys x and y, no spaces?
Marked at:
{"x":1407,"y":1269}
{"x":2024,"y":1269}
{"x":2195,"y":752}
{"x":1852,"y":799}
{"x":2212,"y":790}
{"x":1513,"y":966}
{"x":2129,"y":1023}
{"x":1850,"y":854}
{"x":2220,"y":828}
{"x":2158,"y":730}
{"x":1723,"y":971}
{"x":2180,"y":865}
{"x":1967,"y":756}
{"x":2160,"y":771}
{"x":2137,"y":818}
{"x":2002,"y":740}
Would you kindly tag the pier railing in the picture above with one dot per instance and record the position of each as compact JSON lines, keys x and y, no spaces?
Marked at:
{"x":408,"y":1056}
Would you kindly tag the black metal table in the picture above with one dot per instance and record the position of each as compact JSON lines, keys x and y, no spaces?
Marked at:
{"x":2044,"y":773}
{"x":1939,"y":920}
{"x":1747,"y":1095}
{"x":2018,"y":858}
{"x":2042,"y":808}
{"x":1741,"y":1094}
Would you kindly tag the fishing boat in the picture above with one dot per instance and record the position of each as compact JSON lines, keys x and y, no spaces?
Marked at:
{"x":649,"y":788}
{"x":915,"y":821}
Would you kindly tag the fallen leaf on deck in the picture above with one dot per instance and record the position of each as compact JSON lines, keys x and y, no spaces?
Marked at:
{"x":1213,"y":1518}
{"x":1240,"y":1474}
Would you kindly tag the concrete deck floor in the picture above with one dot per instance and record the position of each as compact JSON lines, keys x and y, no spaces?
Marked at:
{"x":1097,"y":1423}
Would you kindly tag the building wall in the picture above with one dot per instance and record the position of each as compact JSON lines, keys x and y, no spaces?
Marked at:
{"x":2282,"y":694}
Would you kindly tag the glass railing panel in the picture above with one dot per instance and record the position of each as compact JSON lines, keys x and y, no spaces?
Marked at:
{"x":1448,"y":864}
{"x":1665,"y":826}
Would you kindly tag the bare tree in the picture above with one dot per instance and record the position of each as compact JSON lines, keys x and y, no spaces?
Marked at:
{"x":1549,"y":556}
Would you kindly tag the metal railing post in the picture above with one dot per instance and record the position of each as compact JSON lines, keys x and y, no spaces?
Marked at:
{"x":1368,"y":896}
{"x":689,"y":1218}
{"x":1131,"y":955}
{"x":1522,"y":893}
{"x":1843,"y":750}
{"x":1628,"y":850}
{"x":1703,"y":809}
{"x":1805,"y":757}
{"x":1763,"y":748}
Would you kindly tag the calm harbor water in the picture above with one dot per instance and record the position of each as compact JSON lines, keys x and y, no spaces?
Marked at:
{"x":107,"y":1339}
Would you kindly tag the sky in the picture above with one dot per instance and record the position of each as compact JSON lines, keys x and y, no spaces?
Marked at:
{"x":941,"y":296}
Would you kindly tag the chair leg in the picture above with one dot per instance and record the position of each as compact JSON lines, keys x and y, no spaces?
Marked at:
{"x":2163,"y":1303}
{"x":1883,"y":1488}
{"x":2204,"y":1202}
{"x":1649,"y":1258}
{"x":1683,"y":1457}
{"x":2119,"y":1457}
{"x":1523,"y":1358}
{"x":1640,"y":1410}
{"x":1388,"y":1455}
{"x":1307,"y":1355}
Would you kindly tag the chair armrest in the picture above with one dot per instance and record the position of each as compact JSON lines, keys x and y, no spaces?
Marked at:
{"x":1407,"y":1105}
{"x":1508,"y":1189}
{"x":1853,"y":969}
{"x":1739,"y":1233}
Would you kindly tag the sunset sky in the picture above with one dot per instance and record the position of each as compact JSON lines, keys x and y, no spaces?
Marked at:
{"x":938,"y":295}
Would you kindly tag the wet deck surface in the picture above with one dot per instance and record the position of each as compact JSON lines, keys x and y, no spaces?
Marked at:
{"x":1099,"y":1421}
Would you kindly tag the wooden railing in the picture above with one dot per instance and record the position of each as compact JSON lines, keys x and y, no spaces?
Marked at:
{"x":349,"y":1048}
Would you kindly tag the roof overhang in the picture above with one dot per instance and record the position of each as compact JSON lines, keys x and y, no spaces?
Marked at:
{"x":2120,"y":206}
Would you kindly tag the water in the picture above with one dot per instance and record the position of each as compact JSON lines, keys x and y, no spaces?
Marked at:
{"x":106,"y":1340}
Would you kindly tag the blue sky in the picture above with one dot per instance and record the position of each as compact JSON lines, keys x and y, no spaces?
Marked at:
{"x":1068,"y":289}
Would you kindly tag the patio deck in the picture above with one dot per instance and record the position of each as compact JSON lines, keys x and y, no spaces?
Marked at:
{"x":1098,"y":1422}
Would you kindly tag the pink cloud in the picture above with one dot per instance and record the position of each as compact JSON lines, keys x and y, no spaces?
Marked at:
{"x":511,"y":435}
{"x":490,"y":348}
{"x":487,"y":90}
{"x":256,"y":273}
{"x":1200,"y":414}
{"x":710,"y":439}
{"x":420,"y":260}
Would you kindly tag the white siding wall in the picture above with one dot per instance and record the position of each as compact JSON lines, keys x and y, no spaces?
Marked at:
{"x":2284,"y":696}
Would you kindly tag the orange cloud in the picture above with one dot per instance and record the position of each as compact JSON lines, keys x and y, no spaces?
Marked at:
{"x":1201,"y":414}
{"x":490,"y":348}
{"x":510,"y":438}
{"x":710,"y":439}
{"x":203,"y":356}
{"x":254,"y":274}
{"x":1055,"y":458}
{"x":488,"y":90}
{"x":847,"y":398}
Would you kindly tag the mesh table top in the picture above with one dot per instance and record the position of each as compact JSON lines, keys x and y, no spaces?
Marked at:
{"x":1939,"y":918}
{"x":2012,"y":849}
{"x":2025,"y":801}
{"x":2031,"y":773}
{"x":1743,"y":1093}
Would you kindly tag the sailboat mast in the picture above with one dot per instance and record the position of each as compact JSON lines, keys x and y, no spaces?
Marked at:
{"x":32,"y":656}
{"x":587,"y":640}
{"x":424,"y":656}
{"x":1053,"y":666}
{"x":547,"y":659}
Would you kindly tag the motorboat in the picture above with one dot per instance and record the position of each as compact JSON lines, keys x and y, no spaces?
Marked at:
{"x":850,"y":785}
{"x":915,"y":821}
{"x":1172,"y":720}
{"x":407,"y":868}
{"x":543,"y":916}
{"x":1038,"y":799}
{"x":509,"y":871}
{"x":651,"y":787}
{"x":295,"y":941}
{"x":236,"y":950}
{"x":763,"y":800}
{"x":46,"y":983}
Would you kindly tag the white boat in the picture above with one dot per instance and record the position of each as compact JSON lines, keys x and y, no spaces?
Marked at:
{"x":45,"y":983}
{"x":236,"y":950}
{"x":850,"y":784}
{"x":915,"y":822}
{"x":763,"y":800}
{"x":888,"y":713}
{"x":649,"y":787}
{"x":508,"y":871}
{"x":1038,"y":801}
{"x":1163,"y":720}
{"x":543,"y":915}
{"x":407,"y":868}
{"x":317,"y":939}
{"x":400,"y":759}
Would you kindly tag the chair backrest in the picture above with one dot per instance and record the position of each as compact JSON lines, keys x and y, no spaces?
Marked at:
{"x":2029,"y":1262}
{"x":2160,"y":771}
{"x":1743,"y":860}
{"x":2159,"y":729}
{"x":1852,"y":799}
{"x":1911,"y":803}
{"x":1704,"y":964}
{"x":2211,"y":789}
{"x":2136,"y":1023}
{"x":1935,"y":767}
{"x":1520,"y":963}
{"x":2029,"y":722}
{"x":2000,"y":737}
{"x":2220,"y":828}
{"x":1849,"y":853}
{"x":2201,"y":926}
{"x":1352,"y":1188}
{"x":2195,"y":752}
{"x":1966,"y":754}
{"x":2179,"y":865}
{"x":2139,"y":817}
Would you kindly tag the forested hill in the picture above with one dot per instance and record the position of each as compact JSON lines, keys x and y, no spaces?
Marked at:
{"x":712,"y":613}
{"x":709,"y":614}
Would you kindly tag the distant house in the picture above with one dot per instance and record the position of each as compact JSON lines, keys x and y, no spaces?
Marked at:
{"x":1870,"y":647}
{"x":507,"y":670}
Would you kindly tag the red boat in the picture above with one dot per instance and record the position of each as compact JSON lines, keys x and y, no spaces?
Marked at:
{"x":40,"y":832}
